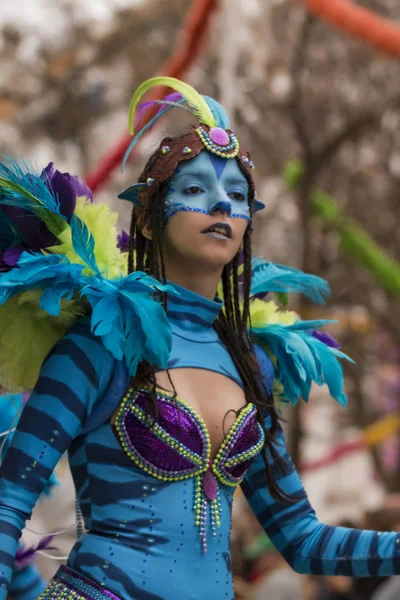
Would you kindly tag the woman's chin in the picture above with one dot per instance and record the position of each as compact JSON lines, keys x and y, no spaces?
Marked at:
{"x":216,"y":257}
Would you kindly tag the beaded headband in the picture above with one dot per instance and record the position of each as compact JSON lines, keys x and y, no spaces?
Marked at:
{"x":210,"y":134}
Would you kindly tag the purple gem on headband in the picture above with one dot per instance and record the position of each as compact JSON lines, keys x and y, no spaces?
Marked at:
{"x":219,"y":136}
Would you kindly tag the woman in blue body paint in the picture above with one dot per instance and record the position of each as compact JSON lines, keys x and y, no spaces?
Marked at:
{"x":157,"y":446}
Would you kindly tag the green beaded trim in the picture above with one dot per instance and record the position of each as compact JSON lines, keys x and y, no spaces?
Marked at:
{"x":127,"y":404}
{"x":230,"y":151}
{"x":248,"y":454}
{"x":219,"y":463}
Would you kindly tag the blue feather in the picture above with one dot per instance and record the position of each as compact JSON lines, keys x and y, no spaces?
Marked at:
{"x":83,"y":242}
{"x":272,"y":277}
{"x":303,"y":359}
{"x":130,"y":322}
{"x":51,"y":298}
{"x":44,"y":272}
{"x":218,"y":112}
{"x":132,"y":325}
{"x":28,"y":178}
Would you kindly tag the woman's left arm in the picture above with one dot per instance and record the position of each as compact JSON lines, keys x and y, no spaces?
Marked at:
{"x":308,"y":545}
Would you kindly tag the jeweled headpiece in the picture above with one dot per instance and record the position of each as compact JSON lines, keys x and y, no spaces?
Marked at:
{"x":211,"y":134}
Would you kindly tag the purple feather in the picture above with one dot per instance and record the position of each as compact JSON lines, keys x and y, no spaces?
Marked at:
{"x":33,"y":231}
{"x":9,"y":258}
{"x":141,"y":109}
{"x":326,"y":339}
{"x":123,"y":241}
{"x":25,"y":556}
{"x":66,"y":187}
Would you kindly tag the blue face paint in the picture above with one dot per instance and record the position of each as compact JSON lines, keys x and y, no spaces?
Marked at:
{"x":218,"y":163}
{"x":208,"y":184}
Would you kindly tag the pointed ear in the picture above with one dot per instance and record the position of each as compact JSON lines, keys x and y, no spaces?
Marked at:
{"x":257,"y":205}
{"x":132,"y":194}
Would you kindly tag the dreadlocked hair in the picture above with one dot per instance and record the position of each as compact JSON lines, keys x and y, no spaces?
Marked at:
{"x":232,"y":325}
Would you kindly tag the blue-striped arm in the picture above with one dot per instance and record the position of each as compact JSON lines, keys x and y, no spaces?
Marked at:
{"x":308,"y":545}
{"x":74,"y":376}
{"x":26,"y":583}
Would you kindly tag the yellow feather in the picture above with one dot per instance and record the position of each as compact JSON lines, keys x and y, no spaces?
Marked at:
{"x":101,"y":222}
{"x":21,"y":318}
{"x":193,"y":98}
{"x":268,"y":313}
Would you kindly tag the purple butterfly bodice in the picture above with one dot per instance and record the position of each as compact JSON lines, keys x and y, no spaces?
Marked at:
{"x":177,"y":446}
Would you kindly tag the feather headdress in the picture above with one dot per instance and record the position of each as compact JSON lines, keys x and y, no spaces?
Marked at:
{"x":211,"y":134}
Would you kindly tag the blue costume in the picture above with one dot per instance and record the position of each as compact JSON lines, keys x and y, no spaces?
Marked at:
{"x":142,"y":541}
{"x":155,"y":501}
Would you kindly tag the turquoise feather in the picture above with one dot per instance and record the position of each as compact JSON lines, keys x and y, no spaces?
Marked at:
{"x":132,"y":325}
{"x":218,"y":111}
{"x":83,"y":242}
{"x":302,"y":359}
{"x":272,"y":277}
{"x":28,"y":179}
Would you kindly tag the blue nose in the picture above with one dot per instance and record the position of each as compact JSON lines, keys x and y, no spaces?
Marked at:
{"x":223,"y":206}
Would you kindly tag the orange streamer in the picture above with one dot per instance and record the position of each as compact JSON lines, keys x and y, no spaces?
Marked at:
{"x":359,"y":23}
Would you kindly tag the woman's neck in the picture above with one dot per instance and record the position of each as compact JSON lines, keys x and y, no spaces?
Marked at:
{"x":202,"y":283}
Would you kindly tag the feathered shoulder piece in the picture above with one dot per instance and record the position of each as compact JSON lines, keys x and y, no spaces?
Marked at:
{"x":59,"y":260}
{"x":300,"y":352}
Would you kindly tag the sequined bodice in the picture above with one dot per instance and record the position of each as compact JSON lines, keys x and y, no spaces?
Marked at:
{"x":177,"y":446}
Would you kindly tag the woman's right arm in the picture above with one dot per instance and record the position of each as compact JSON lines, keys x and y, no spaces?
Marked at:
{"x":75,"y":374}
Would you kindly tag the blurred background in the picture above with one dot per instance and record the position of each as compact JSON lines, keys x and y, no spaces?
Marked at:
{"x":318,"y":106}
